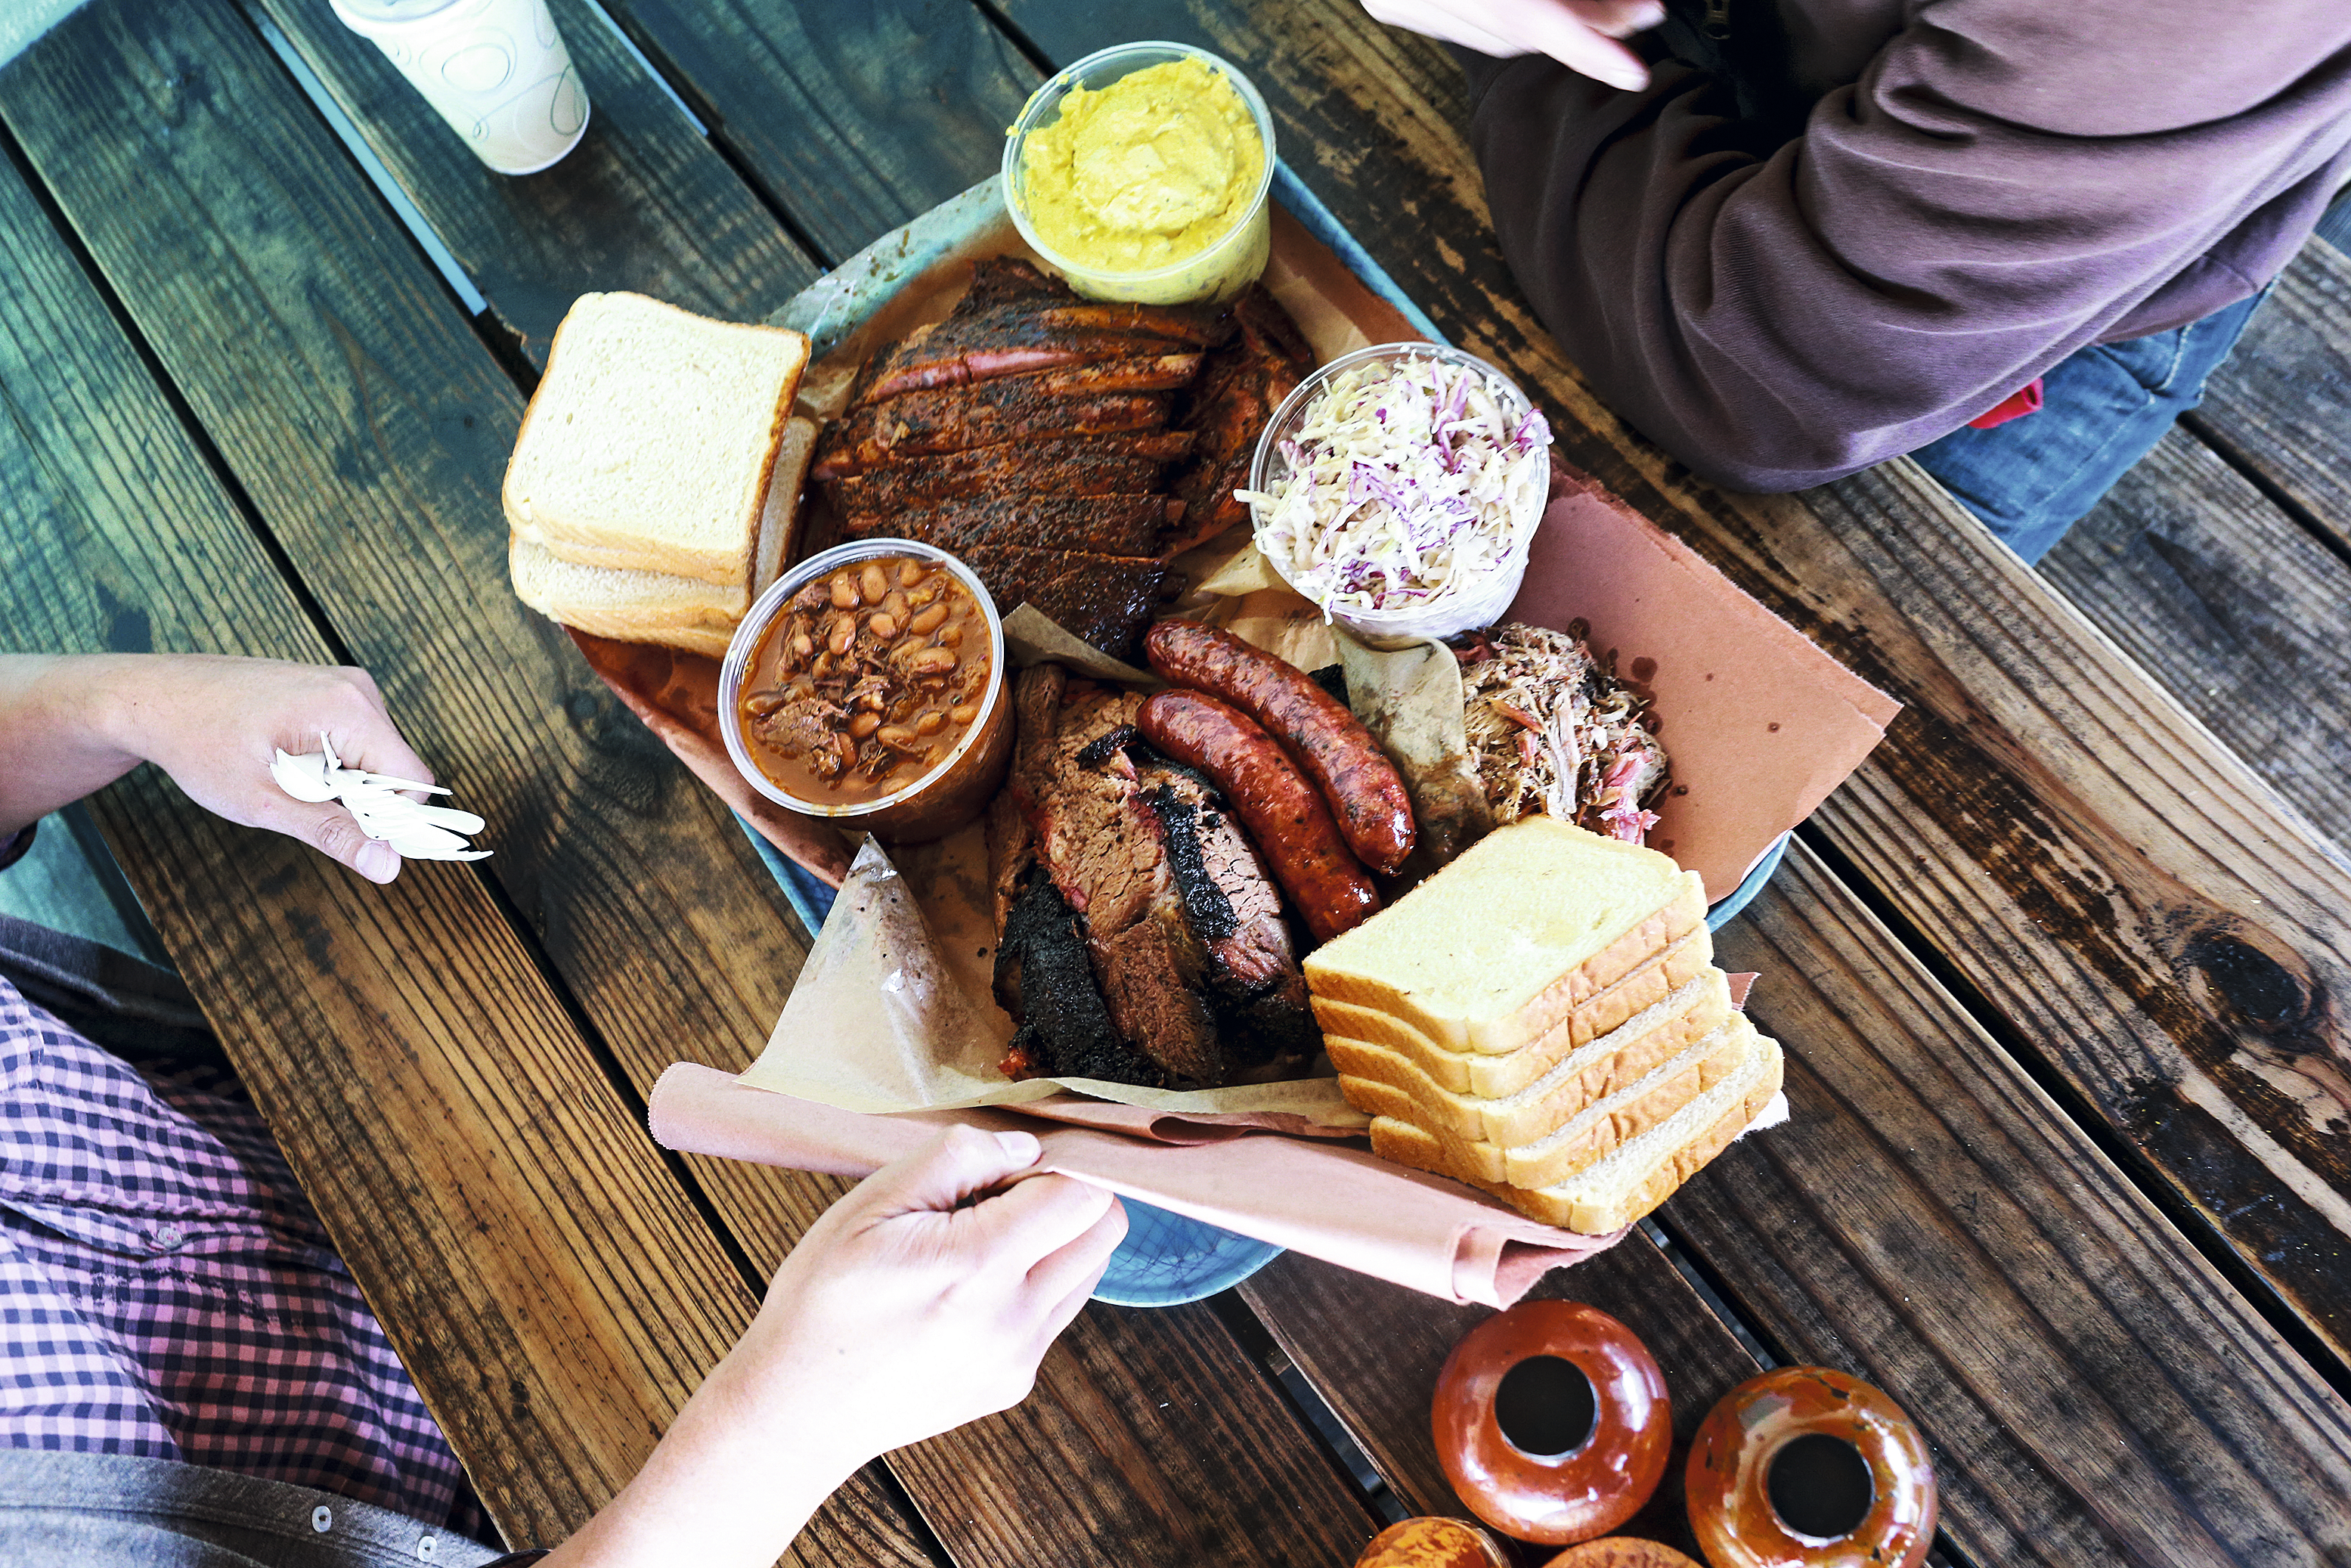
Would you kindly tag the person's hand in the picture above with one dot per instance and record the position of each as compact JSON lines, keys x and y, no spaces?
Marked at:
{"x":903,"y":1314}
{"x":215,"y":725}
{"x":70,"y":725}
{"x":922,"y":1299}
{"x":1579,"y":34}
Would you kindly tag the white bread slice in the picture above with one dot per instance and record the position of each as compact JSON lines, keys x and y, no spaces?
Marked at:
{"x":1532,"y":922}
{"x":779,"y":517}
{"x":628,"y":606}
{"x":1380,"y":1081}
{"x":651,"y":440}
{"x":1657,"y":977}
{"x":1591,"y":1133}
{"x":1638,"y":1173}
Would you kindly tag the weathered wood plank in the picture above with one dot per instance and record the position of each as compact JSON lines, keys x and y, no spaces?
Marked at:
{"x":2144,"y":912}
{"x":369,"y":428}
{"x":1374,"y":1350}
{"x":2085,"y":853}
{"x":2234,"y":608}
{"x":641,"y":204}
{"x":541,"y":1274}
{"x":853,"y":119}
{"x":1932,"y":1221}
{"x":1314,"y":1310}
{"x":2280,"y":405}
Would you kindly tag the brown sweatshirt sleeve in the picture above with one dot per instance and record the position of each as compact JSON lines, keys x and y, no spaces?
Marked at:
{"x":2005,"y":183}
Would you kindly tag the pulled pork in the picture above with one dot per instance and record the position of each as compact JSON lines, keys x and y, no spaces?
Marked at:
{"x":1553,"y":733}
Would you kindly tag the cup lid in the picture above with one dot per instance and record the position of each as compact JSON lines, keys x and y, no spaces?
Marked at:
{"x":1126,"y":59}
{"x":392,"y":10}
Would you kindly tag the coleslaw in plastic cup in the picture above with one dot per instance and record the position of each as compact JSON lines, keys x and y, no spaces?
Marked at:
{"x":1399,"y":488}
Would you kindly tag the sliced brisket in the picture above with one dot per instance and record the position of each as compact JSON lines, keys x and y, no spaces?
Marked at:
{"x":1003,"y":277}
{"x":1073,"y":465}
{"x":1240,"y":386}
{"x":1193,"y":960}
{"x":1004,"y":342}
{"x":1106,"y":852}
{"x":1255,"y":988}
{"x":1076,"y":399}
{"x":1102,"y":525}
{"x":1045,"y":979}
{"x":1026,"y":394}
{"x":1104,"y":599}
{"x":1008,"y":279}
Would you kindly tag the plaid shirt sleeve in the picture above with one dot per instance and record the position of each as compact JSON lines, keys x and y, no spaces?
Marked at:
{"x":165,"y":1290}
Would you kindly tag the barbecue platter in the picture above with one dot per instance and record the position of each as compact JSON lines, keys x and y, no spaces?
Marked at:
{"x":1080,"y":607}
{"x":1067,"y":450}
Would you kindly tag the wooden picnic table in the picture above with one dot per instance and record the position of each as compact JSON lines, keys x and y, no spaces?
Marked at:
{"x":2063,"y":972}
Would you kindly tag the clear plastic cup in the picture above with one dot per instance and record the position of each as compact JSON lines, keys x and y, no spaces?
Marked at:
{"x":1468,"y":605}
{"x":1213,"y":276}
{"x":957,"y":788}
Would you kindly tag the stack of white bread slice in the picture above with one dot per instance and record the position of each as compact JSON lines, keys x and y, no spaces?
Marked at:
{"x":653,"y":488}
{"x":1542,"y":1019}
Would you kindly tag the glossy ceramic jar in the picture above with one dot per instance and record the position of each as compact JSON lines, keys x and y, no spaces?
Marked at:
{"x":1869,"y":1500}
{"x":1511,"y":1426}
{"x":1433,"y":1543}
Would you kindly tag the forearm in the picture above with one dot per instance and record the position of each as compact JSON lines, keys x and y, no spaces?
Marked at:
{"x":58,"y":731}
{"x":1666,"y":248}
{"x":732,"y":1483}
{"x":1776,"y":313}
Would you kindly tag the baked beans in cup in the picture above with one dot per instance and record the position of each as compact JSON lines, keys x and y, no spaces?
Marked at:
{"x":867,"y":685}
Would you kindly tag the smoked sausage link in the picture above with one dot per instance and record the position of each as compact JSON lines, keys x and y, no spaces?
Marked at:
{"x":1314,"y":726}
{"x":1292,"y":826}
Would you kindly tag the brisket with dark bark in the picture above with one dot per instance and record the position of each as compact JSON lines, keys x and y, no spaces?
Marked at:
{"x":974,"y":432}
{"x":1009,"y":341}
{"x":1256,"y":989}
{"x":1044,"y":979}
{"x":1097,"y":525}
{"x":1072,"y":466}
{"x":1182,"y":926}
{"x":1076,"y":399}
{"x":1244,"y":382}
{"x":1104,"y":599}
{"x":1008,"y":280}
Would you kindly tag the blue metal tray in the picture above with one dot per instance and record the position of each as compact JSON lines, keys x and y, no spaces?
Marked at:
{"x":1165,"y":1258}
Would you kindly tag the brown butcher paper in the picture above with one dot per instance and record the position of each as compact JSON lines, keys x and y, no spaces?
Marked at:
{"x":892,"y":1029}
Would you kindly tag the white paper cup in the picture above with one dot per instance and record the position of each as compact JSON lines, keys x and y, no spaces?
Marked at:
{"x":497,"y":70}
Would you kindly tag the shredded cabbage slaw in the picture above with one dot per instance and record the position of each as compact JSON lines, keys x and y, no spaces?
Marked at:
{"x":1405,"y":483}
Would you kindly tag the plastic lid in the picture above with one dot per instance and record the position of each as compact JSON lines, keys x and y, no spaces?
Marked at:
{"x":393,"y":10}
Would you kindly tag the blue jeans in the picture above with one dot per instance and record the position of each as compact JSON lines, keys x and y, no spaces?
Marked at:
{"x":2103,"y":408}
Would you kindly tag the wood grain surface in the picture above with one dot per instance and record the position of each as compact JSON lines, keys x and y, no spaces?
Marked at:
{"x":1374,"y":1350}
{"x":2280,"y":405}
{"x":1933,"y":1222}
{"x":642,"y":203}
{"x":2233,"y":607}
{"x":2142,"y":912}
{"x":370,"y":427}
{"x":1343,"y":1340}
{"x":851,"y":119}
{"x":540,"y":1272}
